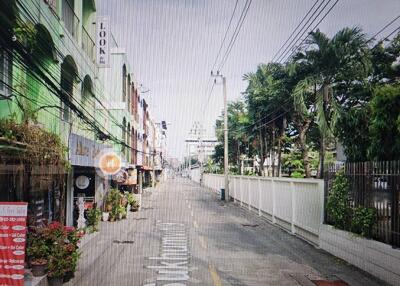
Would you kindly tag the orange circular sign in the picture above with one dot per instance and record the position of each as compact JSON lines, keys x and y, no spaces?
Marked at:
{"x":110,"y":163}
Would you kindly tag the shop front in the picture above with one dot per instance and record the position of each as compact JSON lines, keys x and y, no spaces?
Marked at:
{"x":84,"y":180}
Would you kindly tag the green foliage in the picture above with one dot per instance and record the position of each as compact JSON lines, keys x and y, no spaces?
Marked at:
{"x":293,"y":165}
{"x":37,"y":248}
{"x":384,"y":127}
{"x":338,"y":204}
{"x":56,"y":244}
{"x":36,"y":145}
{"x":352,"y":131}
{"x":113,"y":201}
{"x":93,"y":218}
{"x":363,"y":220}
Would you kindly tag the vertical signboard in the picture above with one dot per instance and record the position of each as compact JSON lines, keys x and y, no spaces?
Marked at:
{"x":12,"y":243}
{"x":102,"y":41}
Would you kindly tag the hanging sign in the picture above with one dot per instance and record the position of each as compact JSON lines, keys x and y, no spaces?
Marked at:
{"x":102,"y":41}
{"x":12,"y":242}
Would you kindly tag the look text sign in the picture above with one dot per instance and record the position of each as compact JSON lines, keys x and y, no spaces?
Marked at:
{"x":102,"y":41}
{"x":12,"y":243}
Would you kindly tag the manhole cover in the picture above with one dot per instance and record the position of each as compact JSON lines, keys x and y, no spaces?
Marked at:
{"x":250,"y":225}
{"x":140,"y":218}
{"x":330,"y":283}
{"x":123,"y":241}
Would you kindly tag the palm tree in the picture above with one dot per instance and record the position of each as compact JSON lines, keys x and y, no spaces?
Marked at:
{"x":341,"y":60}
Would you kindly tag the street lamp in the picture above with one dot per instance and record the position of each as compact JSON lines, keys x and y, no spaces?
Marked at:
{"x":226,"y":162}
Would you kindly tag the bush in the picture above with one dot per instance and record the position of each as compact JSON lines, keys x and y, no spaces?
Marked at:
{"x":363,"y":219}
{"x":338,"y":205}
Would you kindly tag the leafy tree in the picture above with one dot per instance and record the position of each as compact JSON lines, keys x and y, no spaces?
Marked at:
{"x":335,"y":62}
{"x":352,"y":131}
{"x":385,"y":123}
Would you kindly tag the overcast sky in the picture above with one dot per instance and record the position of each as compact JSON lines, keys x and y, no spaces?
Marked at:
{"x":172,"y":45}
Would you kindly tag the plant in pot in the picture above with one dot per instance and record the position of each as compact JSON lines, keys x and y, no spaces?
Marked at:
{"x":134,"y":204}
{"x":37,"y":251}
{"x":125,"y":199}
{"x":63,"y":251}
{"x":107,"y":207}
{"x":58,"y":264}
{"x":93,"y":219}
{"x":121,"y":211}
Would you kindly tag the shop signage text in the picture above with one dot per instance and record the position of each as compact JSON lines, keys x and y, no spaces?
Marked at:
{"x":12,"y":242}
{"x":102,"y":41}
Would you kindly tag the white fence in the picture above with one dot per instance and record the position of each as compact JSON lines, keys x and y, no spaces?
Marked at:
{"x":295,"y":204}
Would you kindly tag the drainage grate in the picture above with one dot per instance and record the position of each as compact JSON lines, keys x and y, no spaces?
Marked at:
{"x":124,"y":241}
{"x":250,"y":225}
{"x":330,"y":283}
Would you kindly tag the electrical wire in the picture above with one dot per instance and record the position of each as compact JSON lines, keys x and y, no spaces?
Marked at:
{"x":26,"y":61}
{"x":291,"y":50}
{"x":226,"y":33}
{"x":298,"y":25}
{"x":235,"y":33}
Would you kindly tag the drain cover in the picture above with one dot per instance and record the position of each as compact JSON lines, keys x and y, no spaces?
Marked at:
{"x":250,"y":225}
{"x":123,"y":241}
{"x":330,"y":283}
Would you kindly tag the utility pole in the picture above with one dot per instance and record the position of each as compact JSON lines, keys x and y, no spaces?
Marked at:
{"x":226,"y":161}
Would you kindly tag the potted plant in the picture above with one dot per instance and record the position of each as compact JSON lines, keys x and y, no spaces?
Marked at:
{"x":121,"y":212}
{"x":37,"y":251}
{"x":58,"y":264}
{"x":134,"y":204}
{"x":93,"y":218}
{"x":125,"y":199}
{"x":63,"y":252}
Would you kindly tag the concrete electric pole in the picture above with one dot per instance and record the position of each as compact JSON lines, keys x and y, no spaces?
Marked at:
{"x":226,"y":161}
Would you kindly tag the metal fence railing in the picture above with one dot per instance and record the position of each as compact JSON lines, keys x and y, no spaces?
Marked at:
{"x":88,"y":44}
{"x":375,"y":185}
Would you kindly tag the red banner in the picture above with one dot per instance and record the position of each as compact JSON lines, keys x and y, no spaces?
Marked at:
{"x":12,"y":243}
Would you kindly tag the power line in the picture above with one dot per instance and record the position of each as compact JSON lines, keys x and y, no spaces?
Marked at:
{"x":216,"y":58}
{"x":209,"y":96}
{"x":109,"y":114}
{"x":384,"y":28}
{"x":235,"y":33}
{"x":319,"y":22}
{"x":388,"y":36}
{"x":291,"y":50}
{"x":298,"y":25}
{"x":226,"y":33}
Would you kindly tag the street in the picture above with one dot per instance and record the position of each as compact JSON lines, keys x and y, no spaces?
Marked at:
{"x":184,"y":235}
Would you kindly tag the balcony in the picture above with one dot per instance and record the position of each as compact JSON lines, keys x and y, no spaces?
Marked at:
{"x":88,"y":44}
{"x":70,"y":19}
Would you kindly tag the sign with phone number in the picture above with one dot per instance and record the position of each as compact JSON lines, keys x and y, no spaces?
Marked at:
{"x":12,"y":242}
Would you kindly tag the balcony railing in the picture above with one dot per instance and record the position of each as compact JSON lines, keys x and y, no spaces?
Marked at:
{"x":70,"y":19}
{"x":87,"y":44}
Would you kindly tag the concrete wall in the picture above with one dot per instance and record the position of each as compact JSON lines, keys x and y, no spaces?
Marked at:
{"x":297,"y":205}
{"x":294,"y":204}
{"x":376,"y":258}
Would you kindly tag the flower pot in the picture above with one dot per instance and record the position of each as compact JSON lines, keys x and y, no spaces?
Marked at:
{"x":105,"y":216}
{"x":109,"y":207}
{"x":68,"y":276}
{"x":119,"y":216}
{"x":134,"y":209}
{"x":55,"y":281}
{"x":38,"y":269}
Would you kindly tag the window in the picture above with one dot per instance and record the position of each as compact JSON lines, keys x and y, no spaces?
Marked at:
{"x":5,"y":73}
{"x":124,"y":84}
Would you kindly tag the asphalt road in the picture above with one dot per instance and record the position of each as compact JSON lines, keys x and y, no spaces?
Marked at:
{"x":185,"y":236}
